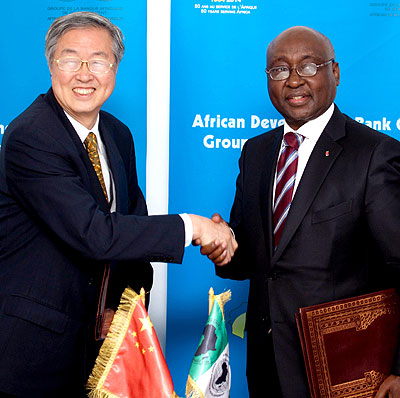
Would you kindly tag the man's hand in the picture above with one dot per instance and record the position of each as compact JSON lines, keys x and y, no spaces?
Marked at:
{"x":215,"y":238}
{"x":220,"y":252}
{"x":390,"y":388}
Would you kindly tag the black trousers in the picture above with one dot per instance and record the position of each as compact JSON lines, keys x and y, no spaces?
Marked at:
{"x":262,"y":375}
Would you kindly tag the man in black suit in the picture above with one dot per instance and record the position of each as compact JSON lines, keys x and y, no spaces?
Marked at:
{"x":339,"y":236}
{"x":74,"y":229}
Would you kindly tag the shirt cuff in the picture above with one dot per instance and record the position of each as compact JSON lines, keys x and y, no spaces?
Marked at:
{"x":188,"y":228}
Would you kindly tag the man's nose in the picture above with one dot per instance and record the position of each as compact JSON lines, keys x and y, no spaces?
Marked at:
{"x":84,"y":73}
{"x":294,"y":79}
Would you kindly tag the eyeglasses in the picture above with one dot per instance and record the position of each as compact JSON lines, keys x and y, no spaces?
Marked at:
{"x":97,"y":66}
{"x":305,"y":70}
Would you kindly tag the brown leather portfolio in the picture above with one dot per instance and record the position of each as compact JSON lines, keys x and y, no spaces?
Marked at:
{"x":349,"y":345}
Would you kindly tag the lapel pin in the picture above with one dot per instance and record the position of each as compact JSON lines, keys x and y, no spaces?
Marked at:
{"x":326,"y":153}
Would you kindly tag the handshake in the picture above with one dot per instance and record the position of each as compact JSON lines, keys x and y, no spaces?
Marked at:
{"x":215,"y":238}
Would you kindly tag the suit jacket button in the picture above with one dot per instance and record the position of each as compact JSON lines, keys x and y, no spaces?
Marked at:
{"x":272,"y":276}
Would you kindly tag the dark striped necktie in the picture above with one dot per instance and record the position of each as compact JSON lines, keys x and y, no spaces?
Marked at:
{"x":285,"y":179}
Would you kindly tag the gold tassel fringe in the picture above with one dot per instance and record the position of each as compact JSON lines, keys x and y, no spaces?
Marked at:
{"x":112,"y":343}
{"x":192,"y":389}
{"x":222,"y":299}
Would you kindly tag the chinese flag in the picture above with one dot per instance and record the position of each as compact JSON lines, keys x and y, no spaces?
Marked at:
{"x":130,"y":363}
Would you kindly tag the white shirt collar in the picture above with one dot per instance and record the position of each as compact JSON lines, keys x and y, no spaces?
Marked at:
{"x":314,"y":128}
{"x":81,"y":130}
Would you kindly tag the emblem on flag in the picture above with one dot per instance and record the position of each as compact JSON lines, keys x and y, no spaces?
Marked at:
{"x":210,"y":373}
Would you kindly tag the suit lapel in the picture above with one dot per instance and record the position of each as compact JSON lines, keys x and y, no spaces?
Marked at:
{"x":96,"y":189}
{"x":117,"y":169}
{"x":270,"y":154}
{"x":323,"y":156}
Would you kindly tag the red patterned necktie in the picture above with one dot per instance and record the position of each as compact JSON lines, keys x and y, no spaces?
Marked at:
{"x":285,"y":179}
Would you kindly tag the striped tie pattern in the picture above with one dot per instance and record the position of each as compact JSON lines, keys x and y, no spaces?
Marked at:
{"x":285,"y":179}
{"x":91,"y":148}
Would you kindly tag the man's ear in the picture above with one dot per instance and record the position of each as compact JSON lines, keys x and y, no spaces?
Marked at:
{"x":336,"y":72}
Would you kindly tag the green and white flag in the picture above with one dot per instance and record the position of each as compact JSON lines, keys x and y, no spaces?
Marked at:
{"x":210,"y":373}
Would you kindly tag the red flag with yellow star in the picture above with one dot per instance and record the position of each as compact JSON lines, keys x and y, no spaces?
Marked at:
{"x":130,"y":363}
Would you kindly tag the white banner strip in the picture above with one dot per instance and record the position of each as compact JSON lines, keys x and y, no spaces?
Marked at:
{"x":157,"y":162}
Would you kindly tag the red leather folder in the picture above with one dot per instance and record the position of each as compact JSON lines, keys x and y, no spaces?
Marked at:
{"x":349,"y":345}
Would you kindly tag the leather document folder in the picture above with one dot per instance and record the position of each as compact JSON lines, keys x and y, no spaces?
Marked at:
{"x":349,"y":345}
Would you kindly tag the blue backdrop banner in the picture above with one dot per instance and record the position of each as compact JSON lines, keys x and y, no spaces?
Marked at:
{"x":219,"y":99}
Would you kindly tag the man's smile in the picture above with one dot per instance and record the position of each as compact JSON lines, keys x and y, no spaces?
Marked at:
{"x":83,"y":91}
{"x":298,"y":99}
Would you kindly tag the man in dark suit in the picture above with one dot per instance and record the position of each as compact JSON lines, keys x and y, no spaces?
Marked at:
{"x":74,"y":230}
{"x":338,"y":236}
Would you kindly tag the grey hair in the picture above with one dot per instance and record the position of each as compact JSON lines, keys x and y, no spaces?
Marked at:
{"x":80,"y":20}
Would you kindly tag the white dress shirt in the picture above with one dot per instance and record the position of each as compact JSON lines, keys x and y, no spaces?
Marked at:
{"x":311,"y":131}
